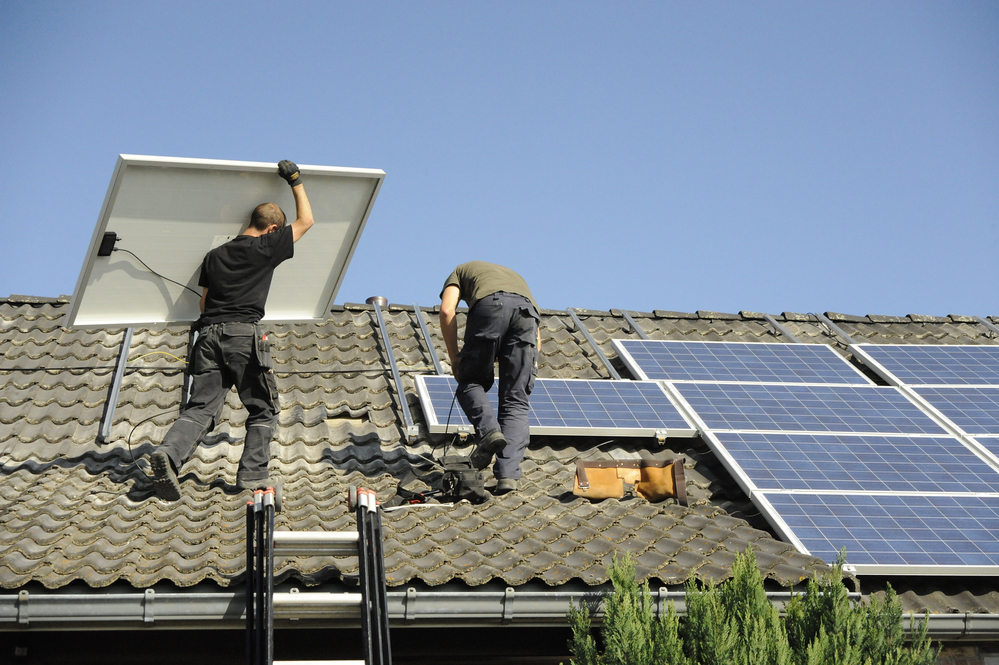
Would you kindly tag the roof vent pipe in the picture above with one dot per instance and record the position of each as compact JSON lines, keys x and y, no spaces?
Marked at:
{"x":380,"y":300}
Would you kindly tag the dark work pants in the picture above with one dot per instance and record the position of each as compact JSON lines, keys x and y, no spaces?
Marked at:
{"x":504,"y":326}
{"x":227,"y":355}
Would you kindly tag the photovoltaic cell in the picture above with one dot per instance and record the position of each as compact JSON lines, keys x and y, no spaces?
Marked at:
{"x":903,"y":531}
{"x":836,"y":462}
{"x":583,"y":407}
{"x":974,"y":410}
{"x":804,"y":408}
{"x":746,"y":362}
{"x":865,"y":463}
{"x":917,"y":364}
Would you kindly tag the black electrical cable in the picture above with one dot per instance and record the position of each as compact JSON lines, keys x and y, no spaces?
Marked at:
{"x":129,"y":443}
{"x":447,"y":423}
{"x":122,"y":249}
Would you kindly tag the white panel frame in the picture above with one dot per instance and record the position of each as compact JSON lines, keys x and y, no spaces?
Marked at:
{"x":437,"y":427}
{"x":170,"y":211}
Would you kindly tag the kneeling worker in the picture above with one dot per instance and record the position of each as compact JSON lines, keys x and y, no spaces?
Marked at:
{"x":230,"y":350}
{"x":502,"y":323}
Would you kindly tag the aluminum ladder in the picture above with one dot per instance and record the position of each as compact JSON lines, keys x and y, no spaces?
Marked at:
{"x":263,"y":543}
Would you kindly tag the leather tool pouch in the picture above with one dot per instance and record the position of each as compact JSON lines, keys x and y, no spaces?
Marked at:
{"x":615,"y":479}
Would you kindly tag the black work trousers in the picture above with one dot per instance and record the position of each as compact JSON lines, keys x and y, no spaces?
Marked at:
{"x":501,"y":326}
{"x":227,"y":355}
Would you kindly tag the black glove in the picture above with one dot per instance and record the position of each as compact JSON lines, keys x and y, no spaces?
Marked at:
{"x":289,"y":171}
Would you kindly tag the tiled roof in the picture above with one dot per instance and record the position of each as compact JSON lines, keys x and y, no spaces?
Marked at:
{"x":74,"y":509}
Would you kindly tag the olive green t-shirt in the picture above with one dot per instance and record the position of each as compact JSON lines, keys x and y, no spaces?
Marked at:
{"x":478,"y":279}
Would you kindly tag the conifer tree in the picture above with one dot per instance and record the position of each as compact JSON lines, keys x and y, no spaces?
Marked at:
{"x":733,"y":623}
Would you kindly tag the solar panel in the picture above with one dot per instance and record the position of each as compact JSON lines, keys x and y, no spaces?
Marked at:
{"x":746,"y":362}
{"x":974,"y":410}
{"x":947,"y":364}
{"x":912,"y":534}
{"x":569,"y":407}
{"x":168,"y":212}
{"x":806,"y":408}
{"x":864,"y":463}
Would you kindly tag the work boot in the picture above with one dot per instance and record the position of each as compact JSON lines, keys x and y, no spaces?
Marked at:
{"x":254,"y":485}
{"x":489,"y":445}
{"x":164,"y":477}
{"x":505,"y":485}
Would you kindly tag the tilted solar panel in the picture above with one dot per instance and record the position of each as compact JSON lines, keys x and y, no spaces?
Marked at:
{"x":569,"y":407}
{"x":836,"y":462}
{"x":912,"y":534}
{"x":747,"y":362}
{"x":974,"y":410}
{"x":806,"y":408}
{"x":932,"y":364}
{"x":859,"y":463}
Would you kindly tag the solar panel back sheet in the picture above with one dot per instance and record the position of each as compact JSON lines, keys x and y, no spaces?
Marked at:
{"x":569,"y":407}
{"x":169,"y":212}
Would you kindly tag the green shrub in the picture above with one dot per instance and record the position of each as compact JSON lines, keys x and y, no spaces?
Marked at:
{"x":733,"y":623}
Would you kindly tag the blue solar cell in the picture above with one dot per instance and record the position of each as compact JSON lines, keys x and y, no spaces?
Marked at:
{"x":974,"y":410}
{"x":917,"y":364}
{"x":571,"y":405}
{"x":748,"y":362}
{"x":896,"y":531}
{"x":801,"y":408}
{"x":858,"y":463}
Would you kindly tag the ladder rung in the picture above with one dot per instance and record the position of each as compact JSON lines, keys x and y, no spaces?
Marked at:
{"x":318,"y":604}
{"x":315,"y":543}
{"x":318,"y":662}
{"x":316,"y":598}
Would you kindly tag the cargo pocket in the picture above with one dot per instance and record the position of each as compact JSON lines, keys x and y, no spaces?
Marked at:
{"x":262,"y":354}
{"x":477,"y":363}
{"x":262,"y":351}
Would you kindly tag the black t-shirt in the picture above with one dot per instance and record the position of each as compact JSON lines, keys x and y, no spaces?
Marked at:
{"x":238,"y":276}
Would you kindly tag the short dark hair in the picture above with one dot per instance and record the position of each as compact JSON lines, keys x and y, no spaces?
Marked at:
{"x":266,"y":214}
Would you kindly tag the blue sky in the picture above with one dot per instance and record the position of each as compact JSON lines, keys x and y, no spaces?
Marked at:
{"x":685,"y":156}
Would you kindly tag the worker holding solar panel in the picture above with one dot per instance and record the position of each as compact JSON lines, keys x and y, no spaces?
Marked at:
{"x":230,"y":349}
{"x":502,"y":324}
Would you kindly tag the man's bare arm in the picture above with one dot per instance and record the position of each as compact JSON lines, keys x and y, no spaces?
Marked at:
{"x":449,"y":324}
{"x":204,"y":297}
{"x":303,"y":210}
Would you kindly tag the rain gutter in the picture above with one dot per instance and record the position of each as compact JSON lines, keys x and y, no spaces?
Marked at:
{"x":410,"y":607}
